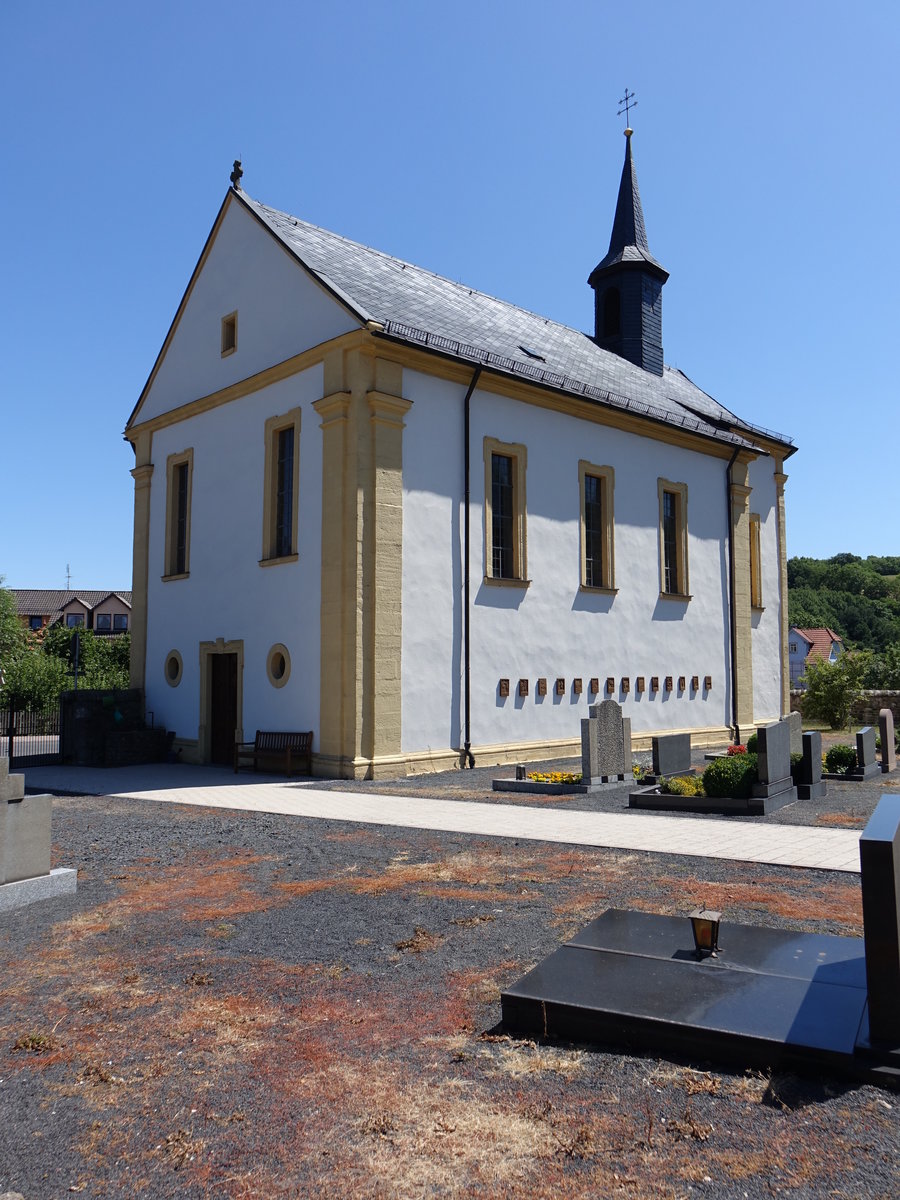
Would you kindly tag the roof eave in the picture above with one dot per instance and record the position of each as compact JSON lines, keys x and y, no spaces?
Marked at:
{"x":584,"y":392}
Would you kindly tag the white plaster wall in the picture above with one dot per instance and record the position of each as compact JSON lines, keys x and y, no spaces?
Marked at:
{"x":281,"y":312}
{"x":228,"y":594}
{"x":767,"y":624}
{"x":432,"y":632}
{"x":552,"y":628}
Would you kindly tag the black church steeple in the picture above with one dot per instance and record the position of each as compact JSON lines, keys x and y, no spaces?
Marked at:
{"x":628,"y":282}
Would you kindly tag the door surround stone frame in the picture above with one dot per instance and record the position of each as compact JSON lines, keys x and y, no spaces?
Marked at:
{"x":207,"y":650}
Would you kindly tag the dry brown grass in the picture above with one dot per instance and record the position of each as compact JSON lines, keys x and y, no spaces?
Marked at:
{"x":831,"y":901}
{"x":316,"y":1079}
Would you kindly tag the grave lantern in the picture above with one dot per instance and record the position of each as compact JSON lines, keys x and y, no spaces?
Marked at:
{"x":705,"y":926}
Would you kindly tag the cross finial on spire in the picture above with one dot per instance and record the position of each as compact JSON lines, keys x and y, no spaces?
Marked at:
{"x":628,"y":101}
{"x":236,"y":175}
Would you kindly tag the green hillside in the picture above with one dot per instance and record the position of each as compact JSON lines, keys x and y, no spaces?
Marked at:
{"x":859,"y":598}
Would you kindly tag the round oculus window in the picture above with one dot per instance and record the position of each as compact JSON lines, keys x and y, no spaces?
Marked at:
{"x":173,"y":668}
{"x":278,"y":665}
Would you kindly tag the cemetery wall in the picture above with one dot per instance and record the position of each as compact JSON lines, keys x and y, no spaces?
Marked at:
{"x":866,"y":710}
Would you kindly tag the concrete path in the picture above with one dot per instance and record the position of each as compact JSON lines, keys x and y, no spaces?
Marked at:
{"x":212,"y":787}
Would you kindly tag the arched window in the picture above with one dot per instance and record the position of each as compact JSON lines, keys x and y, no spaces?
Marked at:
{"x":612,"y":312}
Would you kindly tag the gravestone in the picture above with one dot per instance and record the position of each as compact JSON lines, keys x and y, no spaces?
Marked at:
{"x":773,"y":750}
{"x":603,"y":744}
{"x":811,"y":784}
{"x":590,"y":734}
{"x":879,"y":857}
{"x":866,"y":763}
{"x":888,"y":747}
{"x":25,"y":873}
{"x":24,"y":829}
{"x":626,"y":745}
{"x":671,"y":754}
{"x":795,"y":722}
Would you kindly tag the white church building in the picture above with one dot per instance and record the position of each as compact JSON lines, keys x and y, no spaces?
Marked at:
{"x":432,"y":527}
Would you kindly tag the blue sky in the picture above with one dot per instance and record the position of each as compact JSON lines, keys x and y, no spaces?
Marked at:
{"x":478,"y":140}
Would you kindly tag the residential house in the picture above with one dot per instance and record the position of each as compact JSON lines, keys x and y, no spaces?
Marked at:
{"x":104,"y":612}
{"x":804,"y":645}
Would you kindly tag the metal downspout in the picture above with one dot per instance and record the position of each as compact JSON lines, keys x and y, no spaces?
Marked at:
{"x":468,"y":756}
{"x":731,"y":613}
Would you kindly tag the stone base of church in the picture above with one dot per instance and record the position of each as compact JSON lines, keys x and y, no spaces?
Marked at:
{"x":427,"y":762}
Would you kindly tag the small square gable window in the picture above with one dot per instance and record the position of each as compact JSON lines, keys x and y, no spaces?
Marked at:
{"x":229,"y":334}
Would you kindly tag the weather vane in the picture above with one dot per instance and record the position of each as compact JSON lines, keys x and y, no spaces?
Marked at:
{"x":628,"y":101}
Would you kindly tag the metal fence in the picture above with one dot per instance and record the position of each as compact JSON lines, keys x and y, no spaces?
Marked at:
{"x":30,"y":736}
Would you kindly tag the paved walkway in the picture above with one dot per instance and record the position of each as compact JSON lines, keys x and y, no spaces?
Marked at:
{"x":746,"y":841}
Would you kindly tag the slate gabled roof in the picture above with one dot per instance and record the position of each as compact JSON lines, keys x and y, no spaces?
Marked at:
{"x":422,"y":309}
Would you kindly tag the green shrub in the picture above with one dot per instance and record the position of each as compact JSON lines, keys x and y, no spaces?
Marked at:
{"x":731,"y":776}
{"x":840,"y":759}
{"x":833,"y":688}
{"x":683,"y":785}
{"x":752,"y":742}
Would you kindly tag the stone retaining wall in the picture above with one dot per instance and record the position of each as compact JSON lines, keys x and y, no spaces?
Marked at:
{"x":866,"y":711}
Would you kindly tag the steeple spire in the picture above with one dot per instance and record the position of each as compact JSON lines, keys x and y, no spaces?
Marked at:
{"x":628,"y":281}
{"x":628,"y":226}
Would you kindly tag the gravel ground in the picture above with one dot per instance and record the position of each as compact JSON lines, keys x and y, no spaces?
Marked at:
{"x":245,"y":1005}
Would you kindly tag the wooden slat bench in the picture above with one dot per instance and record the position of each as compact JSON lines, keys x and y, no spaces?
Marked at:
{"x":285,"y":752}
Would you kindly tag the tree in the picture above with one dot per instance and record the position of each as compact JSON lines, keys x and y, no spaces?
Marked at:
{"x":833,"y":688}
{"x":885,"y":669}
{"x":12,"y":635}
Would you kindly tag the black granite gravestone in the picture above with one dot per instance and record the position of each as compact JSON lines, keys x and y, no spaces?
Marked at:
{"x":879,"y":856}
{"x":774,"y":761}
{"x":867,"y":764}
{"x":671,"y":754}
{"x":811,"y":783}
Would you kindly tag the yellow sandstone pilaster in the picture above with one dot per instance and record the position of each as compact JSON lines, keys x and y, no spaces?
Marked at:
{"x":362,"y":437}
{"x":386,"y":416}
{"x":740,"y":598}
{"x":333,"y":681}
{"x":142,"y":474}
{"x":781,"y":532}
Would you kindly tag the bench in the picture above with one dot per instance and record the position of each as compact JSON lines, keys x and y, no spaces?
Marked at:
{"x":280,"y":751}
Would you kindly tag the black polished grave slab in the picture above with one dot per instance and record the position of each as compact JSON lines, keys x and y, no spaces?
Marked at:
{"x":632,"y":980}
{"x":724,"y":806}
